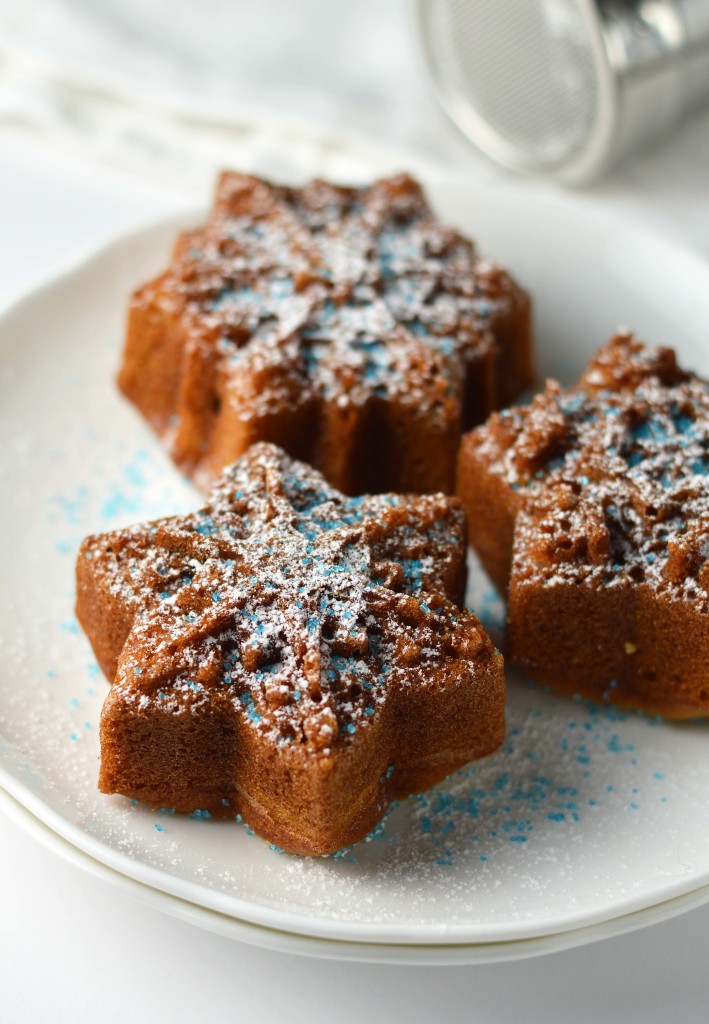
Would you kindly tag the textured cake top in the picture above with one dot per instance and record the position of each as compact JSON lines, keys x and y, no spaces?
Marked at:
{"x":360,"y":292}
{"x":612,"y":476}
{"x":298,"y":606}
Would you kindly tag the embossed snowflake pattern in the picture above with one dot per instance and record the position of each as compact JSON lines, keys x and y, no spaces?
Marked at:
{"x":290,"y":613}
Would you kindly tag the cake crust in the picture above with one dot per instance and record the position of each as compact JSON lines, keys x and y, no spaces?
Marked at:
{"x":590,"y":509}
{"x":289,"y":654}
{"x":346,"y":325}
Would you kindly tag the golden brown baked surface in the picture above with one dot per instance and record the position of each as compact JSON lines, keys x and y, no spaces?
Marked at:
{"x":289,"y":654}
{"x":346,"y":325}
{"x":591,"y":508}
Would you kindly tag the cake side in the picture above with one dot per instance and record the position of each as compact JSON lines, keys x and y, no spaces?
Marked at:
{"x":156,"y":338}
{"x":511,"y":327}
{"x":489,"y":475}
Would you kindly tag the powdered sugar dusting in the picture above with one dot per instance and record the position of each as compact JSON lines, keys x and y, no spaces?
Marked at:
{"x":361,"y":293}
{"x":303,"y":605}
{"x":615,"y":475}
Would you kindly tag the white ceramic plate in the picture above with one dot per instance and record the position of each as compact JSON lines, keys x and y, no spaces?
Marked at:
{"x":584,"y":816}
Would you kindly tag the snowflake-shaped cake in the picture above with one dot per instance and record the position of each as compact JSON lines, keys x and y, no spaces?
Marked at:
{"x":289,"y":654}
{"x":591,"y":507}
{"x":346,"y":325}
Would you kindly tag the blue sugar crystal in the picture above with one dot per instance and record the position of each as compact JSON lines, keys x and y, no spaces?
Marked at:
{"x":572,"y":403}
{"x":207,"y":527}
{"x":251,"y":712}
{"x":651,"y":429}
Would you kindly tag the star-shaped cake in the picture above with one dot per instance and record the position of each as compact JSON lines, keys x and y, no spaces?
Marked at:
{"x":590,"y":508}
{"x":289,"y":654}
{"x":346,"y":325}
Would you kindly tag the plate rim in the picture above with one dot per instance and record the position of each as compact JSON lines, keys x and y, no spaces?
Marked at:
{"x":279,"y":940}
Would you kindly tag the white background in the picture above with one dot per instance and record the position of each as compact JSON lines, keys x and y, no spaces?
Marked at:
{"x":74,"y":949}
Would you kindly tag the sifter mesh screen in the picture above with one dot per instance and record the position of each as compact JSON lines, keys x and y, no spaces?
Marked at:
{"x":528,"y":69}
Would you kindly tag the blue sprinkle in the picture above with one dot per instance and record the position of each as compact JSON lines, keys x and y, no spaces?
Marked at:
{"x":572,"y":403}
{"x":207,"y":528}
{"x":251,"y":711}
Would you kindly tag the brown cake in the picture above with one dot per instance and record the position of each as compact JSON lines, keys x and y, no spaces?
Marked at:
{"x":289,"y":654}
{"x":346,"y":325}
{"x":591,"y":508}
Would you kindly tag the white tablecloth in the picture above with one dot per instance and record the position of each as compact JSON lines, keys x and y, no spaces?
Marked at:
{"x":82,"y":160}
